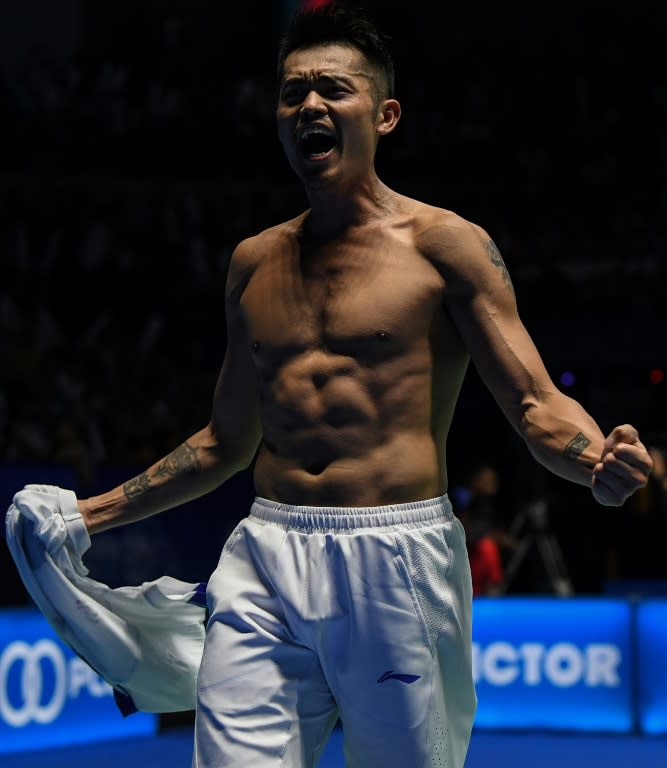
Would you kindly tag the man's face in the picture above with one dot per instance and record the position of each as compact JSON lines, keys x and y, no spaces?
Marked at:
{"x":327,"y":113}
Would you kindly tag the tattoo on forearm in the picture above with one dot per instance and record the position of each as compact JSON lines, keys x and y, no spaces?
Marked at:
{"x":576,"y":446}
{"x":136,"y":486}
{"x":183,"y":459}
{"x":497,"y":260}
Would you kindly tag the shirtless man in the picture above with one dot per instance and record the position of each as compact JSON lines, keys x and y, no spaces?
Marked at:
{"x":346,"y":591}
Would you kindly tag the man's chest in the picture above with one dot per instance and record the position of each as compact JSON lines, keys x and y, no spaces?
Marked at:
{"x":342,"y":300}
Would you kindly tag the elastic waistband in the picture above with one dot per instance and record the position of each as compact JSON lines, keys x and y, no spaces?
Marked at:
{"x":323,"y":519}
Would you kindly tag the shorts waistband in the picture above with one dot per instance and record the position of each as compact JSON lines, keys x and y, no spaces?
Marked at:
{"x":339,"y":519}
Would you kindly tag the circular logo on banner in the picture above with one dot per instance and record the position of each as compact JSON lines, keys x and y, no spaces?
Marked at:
{"x":33,"y":704}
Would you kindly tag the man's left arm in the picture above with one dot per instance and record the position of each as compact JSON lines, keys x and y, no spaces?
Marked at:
{"x":557,"y":429}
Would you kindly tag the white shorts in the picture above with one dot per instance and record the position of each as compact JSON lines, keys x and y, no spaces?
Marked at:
{"x":362,"y":614}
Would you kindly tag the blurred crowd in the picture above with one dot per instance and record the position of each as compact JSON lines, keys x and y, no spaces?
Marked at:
{"x":132,"y":165}
{"x":111,"y":313}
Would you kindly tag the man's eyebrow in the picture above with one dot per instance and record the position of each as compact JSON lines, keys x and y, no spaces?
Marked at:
{"x":332,"y":79}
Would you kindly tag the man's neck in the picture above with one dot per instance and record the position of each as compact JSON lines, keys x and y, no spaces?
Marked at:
{"x":333,"y":209}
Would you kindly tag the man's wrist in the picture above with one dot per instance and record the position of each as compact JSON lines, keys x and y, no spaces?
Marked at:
{"x":90,"y":520}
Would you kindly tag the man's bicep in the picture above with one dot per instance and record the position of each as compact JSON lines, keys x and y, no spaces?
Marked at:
{"x":491,"y":262}
{"x":235,"y":416}
{"x":507,"y":360}
{"x":483,"y":307}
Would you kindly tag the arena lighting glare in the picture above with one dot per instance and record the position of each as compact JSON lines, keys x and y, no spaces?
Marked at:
{"x":312,"y":5}
{"x":567,"y":378}
{"x":656,"y":376}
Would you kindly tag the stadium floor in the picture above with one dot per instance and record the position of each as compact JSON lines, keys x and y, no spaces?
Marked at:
{"x":172,"y":749}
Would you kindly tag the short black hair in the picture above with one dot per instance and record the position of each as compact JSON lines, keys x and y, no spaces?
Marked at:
{"x":339,"y":22}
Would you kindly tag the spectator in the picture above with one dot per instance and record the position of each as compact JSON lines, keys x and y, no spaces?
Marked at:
{"x":484,"y":533}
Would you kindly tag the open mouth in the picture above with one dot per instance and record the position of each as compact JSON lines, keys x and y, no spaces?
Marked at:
{"x":316,"y":143}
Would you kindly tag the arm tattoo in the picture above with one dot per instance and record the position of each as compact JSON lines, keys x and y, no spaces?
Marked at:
{"x":183,"y":459}
{"x":497,"y":260}
{"x":136,"y":486}
{"x":576,"y":446}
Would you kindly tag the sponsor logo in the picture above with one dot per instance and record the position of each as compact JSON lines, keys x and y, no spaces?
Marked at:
{"x":561,"y":664}
{"x":37,"y":680}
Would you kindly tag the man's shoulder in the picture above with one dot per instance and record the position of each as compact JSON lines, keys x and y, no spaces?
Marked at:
{"x":250,"y":251}
{"x":440,"y":233}
{"x":270,"y":237}
{"x":433,"y":224}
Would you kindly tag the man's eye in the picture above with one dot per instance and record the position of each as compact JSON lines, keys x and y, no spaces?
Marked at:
{"x":291,"y":97}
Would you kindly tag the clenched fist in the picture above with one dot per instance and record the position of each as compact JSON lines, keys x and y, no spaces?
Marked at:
{"x":624,"y":467}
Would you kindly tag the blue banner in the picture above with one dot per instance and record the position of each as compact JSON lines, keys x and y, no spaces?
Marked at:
{"x":652,"y":665}
{"x":571,"y":664}
{"x":553,"y":664}
{"x":48,"y":695}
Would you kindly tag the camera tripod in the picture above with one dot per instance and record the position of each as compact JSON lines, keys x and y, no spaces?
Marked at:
{"x":530,"y":528}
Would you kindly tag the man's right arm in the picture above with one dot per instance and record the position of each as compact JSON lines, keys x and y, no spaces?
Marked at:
{"x":213,"y":454}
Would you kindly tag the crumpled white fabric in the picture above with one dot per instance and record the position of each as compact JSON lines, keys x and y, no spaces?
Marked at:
{"x":146,"y":641}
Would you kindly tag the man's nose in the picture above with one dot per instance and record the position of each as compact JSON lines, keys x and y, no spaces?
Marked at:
{"x":313,"y":105}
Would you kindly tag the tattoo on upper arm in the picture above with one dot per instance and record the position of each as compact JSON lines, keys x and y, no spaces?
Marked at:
{"x":182,"y":459}
{"x":576,"y":446}
{"x":497,"y":260}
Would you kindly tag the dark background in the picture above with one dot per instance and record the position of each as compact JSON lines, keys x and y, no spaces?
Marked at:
{"x":138,"y":146}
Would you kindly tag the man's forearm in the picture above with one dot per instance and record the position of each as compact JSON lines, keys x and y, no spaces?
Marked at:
{"x":564,"y":438}
{"x":191,"y":470}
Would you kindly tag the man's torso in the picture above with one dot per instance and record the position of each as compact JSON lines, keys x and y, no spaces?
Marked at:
{"x":358,"y":362}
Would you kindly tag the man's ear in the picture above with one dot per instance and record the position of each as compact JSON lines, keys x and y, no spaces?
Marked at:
{"x":388,"y":116}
